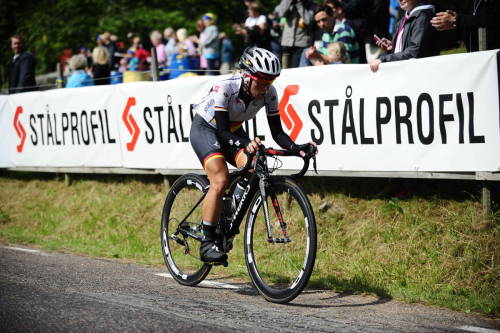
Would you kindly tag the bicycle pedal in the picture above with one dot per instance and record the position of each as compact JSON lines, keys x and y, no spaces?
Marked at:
{"x":219,"y":263}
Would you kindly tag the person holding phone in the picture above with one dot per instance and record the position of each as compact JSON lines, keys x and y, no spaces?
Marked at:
{"x":414,"y":36}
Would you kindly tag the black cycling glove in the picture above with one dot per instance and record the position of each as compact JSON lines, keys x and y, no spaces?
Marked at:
{"x":307,"y":148}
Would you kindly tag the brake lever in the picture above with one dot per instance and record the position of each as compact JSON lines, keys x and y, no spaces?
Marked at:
{"x":314,"y":164}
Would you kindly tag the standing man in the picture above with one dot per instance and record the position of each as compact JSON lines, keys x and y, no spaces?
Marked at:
{"x":297,"y":30}
{"x":21,"y":68}
{"x":479,"y":14}
{"x":331,"y":21}
{"x":357,"y":13}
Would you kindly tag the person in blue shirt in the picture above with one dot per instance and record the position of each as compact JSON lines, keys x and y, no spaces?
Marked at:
{"x":395,"y":13}
{"x":79,"y":77}
{"x":226,"y":54}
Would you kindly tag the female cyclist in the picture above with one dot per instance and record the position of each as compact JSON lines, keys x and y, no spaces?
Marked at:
{"x":217,"y":134}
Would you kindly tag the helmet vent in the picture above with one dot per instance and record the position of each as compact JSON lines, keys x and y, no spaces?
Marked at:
{"x":274,"y":66}
{"x":258,"y":52}
{"x":258,"y":62}
{"x":267,"y":64}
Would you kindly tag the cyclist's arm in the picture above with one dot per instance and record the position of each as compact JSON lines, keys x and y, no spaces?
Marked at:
{"x":225,"y":134}
{"x":274,"y":121}
{"x":279,"y":136}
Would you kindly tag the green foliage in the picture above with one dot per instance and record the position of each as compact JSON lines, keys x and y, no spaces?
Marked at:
{"x":392,"y":206}
{"x":51,"y":26}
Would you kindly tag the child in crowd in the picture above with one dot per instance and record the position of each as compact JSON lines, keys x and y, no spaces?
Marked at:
{"x":337,"y":54}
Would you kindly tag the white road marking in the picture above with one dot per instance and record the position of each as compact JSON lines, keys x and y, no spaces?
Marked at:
{"x":207,"y":283}
{"x":25,"y":250}
{"x":477,"y":329}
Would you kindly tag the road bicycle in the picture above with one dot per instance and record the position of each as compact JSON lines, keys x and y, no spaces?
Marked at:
{"x":280,"y":230}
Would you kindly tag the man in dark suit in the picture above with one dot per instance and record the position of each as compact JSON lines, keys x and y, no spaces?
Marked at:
{"x":21,"y":68}
{"x":478,"y":14}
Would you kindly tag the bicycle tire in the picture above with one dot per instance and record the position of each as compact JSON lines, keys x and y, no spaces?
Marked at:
{"x":186,"y":268}
{"x":278,"y":273}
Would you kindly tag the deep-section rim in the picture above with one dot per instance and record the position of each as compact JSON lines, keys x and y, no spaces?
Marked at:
{"x":288,"y":294}
{"x":182,"y":278}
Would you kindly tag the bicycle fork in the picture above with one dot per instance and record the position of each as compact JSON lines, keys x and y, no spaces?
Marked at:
{"x":276,"y":206}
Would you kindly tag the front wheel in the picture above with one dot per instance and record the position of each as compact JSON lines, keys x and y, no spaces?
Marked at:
{"x":280,"y":264}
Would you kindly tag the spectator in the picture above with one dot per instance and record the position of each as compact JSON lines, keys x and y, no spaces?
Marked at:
{"x":331,"y":21}
{"x":209,"y":45}
{"x":297,"y":31}
{"x":379,"y":18}
{"x":64,"y":59}
{"x":157,"y":43}
{"x":79,"y":76}
{"x":139,"y":57}
{"x":378,"y":25}
{"x":345,"y":33}
{"x":248,"y":3}
{"x":357,"y":13}
{"x":21,"y":68}
{"x":170,"y":44}
{"x":120,"y":46}
{"x":274,"y":34}
{"x":100,"y":65}
{"x":337,"y":53}
{"x":123,"y":65}
{"x":87,"y":54}
{"x":226,"y":54}
{"x":395,"y":15}
{"x":112,"y":50}
{"x":255,"y":30}
{"x":144,"y":58}
{"x":200,"y":27}
{"x":479,"y":14}
{"x":136,"y":44}
{"x":414,"y":38}
{"x":98,"y":41}
{"x":184,"y":44}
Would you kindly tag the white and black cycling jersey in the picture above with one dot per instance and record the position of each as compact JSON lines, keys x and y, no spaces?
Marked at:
{"x":223,"y":96}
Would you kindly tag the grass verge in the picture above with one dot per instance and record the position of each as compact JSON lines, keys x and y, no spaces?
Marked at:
{"x":430,"y":246}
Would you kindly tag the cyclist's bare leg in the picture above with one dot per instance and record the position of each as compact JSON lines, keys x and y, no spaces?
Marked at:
{"x":241,"y":159}
{"x":218,"y":174}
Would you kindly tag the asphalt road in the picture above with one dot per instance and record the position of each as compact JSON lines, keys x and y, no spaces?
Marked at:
{"x":55,"y":292}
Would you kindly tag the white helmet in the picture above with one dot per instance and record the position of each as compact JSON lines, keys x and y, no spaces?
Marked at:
{"x":260,"y":63}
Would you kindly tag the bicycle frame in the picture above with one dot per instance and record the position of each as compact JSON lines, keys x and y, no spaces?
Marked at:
{"x":260,"y":180}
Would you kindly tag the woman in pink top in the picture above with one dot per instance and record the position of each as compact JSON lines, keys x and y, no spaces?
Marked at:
{"x":157,"y":42}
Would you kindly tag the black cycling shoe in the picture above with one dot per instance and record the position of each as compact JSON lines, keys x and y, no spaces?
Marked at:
{"x":210,"y":252}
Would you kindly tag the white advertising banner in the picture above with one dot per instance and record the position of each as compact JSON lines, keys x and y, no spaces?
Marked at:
{"x":433,"y":114}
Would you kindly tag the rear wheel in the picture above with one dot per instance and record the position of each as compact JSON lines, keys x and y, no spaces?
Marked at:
{"x":281,"y":266}
{"x":181,"y":240}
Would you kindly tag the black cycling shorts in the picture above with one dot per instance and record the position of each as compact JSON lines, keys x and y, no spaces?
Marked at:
{"x":207,"y":145}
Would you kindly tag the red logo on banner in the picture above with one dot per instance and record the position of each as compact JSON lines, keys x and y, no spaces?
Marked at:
{"x":131,"y":124}
{"x":21,"y":133}
{"x":288,"y":114}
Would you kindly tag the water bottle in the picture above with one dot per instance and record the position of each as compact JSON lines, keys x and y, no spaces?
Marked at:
{"x":238,"y":193}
